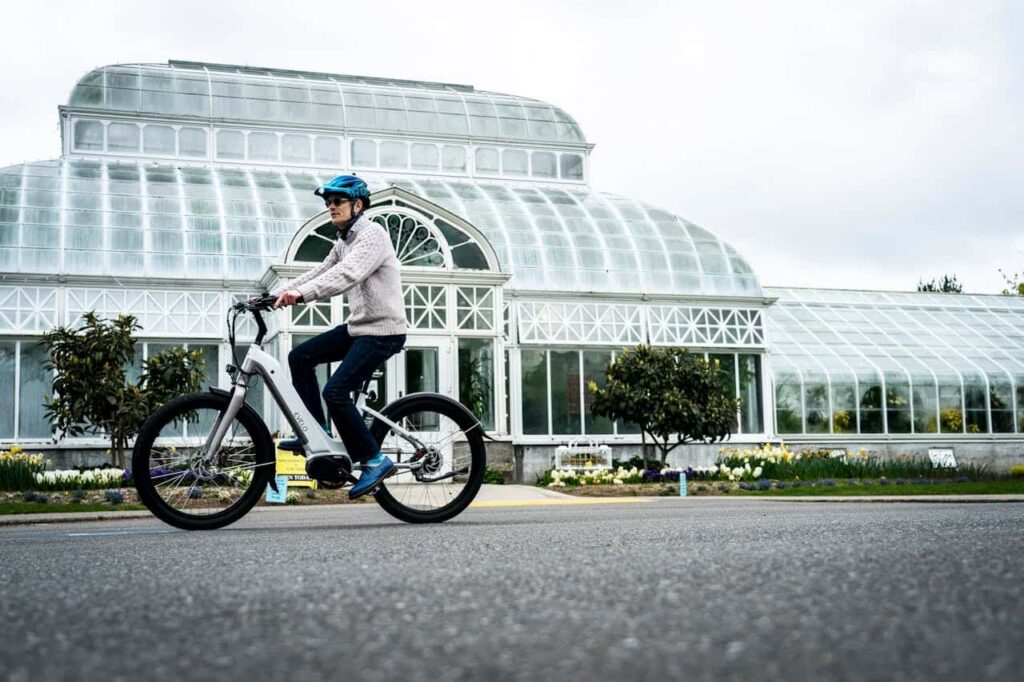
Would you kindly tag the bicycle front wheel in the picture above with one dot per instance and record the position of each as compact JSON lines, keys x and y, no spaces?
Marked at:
{"x":184,"y":488}
{"x":451,"y":462}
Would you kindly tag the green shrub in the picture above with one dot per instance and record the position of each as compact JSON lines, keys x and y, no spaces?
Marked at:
{"x":493,"y":476}
{"x":1017,"y":471}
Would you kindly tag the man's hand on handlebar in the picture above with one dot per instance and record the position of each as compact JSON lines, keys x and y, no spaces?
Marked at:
{"x":287,"y":298}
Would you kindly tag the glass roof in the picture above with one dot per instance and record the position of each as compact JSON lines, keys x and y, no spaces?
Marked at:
{"x":162,"y":220}
{"x":835,"y":337}
{"x":267,"y":96}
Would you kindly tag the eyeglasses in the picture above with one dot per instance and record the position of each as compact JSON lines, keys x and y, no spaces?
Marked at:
{"x":335,"y":201}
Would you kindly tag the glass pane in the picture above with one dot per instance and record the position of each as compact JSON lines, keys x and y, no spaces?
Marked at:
{"x":788,"y":409}
{"x":476,"y":379}
{"x":726,"y":363}
{"x":123,"y":137}
{"x":951,"y":416}
{"x":158,"y":140}
{"x":7,"y":365}
{"x":453,"y":158}
{"x":486,"y":160}
{"x":192,"y":142}
{"x":565,"y":392}
{"x":544,"y":165}
{"x":36,"y":382}
{"x":976,"y":399}
{"x":328,"y":150}
{"x":425,"y":157}
{"x":571,"y":166}
{"x":595,"y":368}
{"x":89,"y":135}
{"x":364,"y":153}
{"x":751,"y":420}
{"x":394,"y":155}
{"x":534,"y":391}
{"x":263,"y":147}
{"x":513,"y":162}
{"x":871,"y":406}
{"x":295,"y":148}
{"x":816,"y":404}
{"x":1001,"y":403}
{"x":897,"y":403}
{"x":421,"y":375}
{"x":230,"y":144}
{"x":925,"y":403}
{"x":844,"y":406}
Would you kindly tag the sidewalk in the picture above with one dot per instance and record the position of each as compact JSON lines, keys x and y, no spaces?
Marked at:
{"x":489,"y":495}
{"x":496,"y":496}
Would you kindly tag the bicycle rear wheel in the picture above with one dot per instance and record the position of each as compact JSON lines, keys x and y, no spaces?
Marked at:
{"x":175,"y":481}
{"x":453,"y":460}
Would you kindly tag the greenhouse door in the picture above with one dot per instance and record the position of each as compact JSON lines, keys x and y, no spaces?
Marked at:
{"x":424,"y":365}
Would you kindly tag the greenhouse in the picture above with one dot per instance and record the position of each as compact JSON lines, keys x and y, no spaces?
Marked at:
{"x":184,"y":186}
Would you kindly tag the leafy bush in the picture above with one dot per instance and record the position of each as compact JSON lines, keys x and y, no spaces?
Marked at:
{"x":1017,"y":471}
{"x":114,"y":496}
{"x":494,"y":477}
{"x":674,"y":396}
{"x":90,"y":391}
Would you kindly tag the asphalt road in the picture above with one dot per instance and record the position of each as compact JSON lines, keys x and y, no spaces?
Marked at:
{"x":693,"y":589}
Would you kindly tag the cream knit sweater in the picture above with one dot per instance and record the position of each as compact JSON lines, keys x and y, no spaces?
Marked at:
{"x":365,"y":267}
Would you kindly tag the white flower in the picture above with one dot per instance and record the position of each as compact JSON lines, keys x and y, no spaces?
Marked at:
{"x":757,"y":472}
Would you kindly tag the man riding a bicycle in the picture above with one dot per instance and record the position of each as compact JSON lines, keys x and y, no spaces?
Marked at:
{"x":363,"y":265}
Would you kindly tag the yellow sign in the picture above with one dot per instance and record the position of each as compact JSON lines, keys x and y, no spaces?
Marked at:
{"x":293,"y":467}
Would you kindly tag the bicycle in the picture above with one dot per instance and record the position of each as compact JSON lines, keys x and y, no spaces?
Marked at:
{"x":203,"y":460}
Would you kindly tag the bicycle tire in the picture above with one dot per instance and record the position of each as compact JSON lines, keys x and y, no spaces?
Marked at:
{"x":164,"y":422}
{"x":472,"y":452}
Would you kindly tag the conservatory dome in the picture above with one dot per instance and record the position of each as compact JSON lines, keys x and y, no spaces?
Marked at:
{"x":241,"y":94}
{"x":125,"y":218}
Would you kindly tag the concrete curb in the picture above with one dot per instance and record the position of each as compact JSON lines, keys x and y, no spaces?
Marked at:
{"x":528,"y":496}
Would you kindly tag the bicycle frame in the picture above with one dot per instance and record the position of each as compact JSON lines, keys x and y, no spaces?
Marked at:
{"x":316,"y":443}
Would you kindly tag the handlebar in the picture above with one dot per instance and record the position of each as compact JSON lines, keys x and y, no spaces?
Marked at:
{"x":261,"y":302}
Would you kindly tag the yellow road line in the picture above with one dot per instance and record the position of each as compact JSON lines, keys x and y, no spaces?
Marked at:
{"x":544,"y":503}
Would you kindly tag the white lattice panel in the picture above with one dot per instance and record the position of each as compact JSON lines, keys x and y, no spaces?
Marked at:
{"x":692,"y":326}
{"x":575,"y":323}
{"x":426,"y":306}
{"x":161,"y":313}
{"x":474,"y":307}
{"x":27,"y":309}
{"x":316,"y":314}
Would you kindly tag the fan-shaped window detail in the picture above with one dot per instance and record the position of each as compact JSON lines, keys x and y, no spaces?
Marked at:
{"x":414,"y":242}
{"x":420,"y":238}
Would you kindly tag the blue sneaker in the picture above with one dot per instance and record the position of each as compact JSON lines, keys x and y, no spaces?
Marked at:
{"x":377,"y":469}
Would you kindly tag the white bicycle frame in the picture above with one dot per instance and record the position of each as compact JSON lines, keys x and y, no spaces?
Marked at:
{"x":316,"y":442}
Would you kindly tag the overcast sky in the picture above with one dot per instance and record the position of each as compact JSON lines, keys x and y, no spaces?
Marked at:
{"x":856,"y":144}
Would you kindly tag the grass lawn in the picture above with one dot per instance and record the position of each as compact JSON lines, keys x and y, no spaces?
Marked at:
{"x":36,"y":508}
{"x":1003,"y":487}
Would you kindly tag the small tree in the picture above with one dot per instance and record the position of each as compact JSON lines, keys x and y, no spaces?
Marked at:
{"x":673,"y":396}
{"x":91,"y":393}
{"x":1014,"y":284}
{"x":947,"y":285}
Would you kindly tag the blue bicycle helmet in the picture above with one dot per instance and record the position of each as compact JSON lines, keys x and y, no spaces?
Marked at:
{"x":347,"y":186}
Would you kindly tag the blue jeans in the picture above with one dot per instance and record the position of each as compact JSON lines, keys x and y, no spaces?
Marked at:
{"x":361,"y":355}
